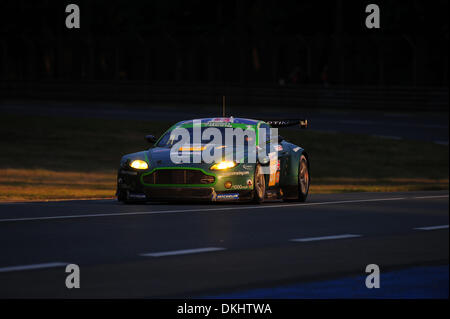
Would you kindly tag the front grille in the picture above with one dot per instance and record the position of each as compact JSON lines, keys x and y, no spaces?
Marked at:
{"x":178,"y":177}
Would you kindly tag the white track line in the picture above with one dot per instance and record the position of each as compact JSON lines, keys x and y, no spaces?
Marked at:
{"x":182,"y":252}
{"x":59,"y":201}
{"x":33,"y":266}
{"x":432,"y":227}
{"x":431,"y":197}
{"x":241,"y":208}
{"x":324,"y":238}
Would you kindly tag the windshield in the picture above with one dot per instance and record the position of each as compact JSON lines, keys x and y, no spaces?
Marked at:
{"x":213,"y":135}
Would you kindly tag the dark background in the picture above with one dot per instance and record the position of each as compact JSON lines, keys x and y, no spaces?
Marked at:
{"x":318,"y":54}
{"x":73,"y":102}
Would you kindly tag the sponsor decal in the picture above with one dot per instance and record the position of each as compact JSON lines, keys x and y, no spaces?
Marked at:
{"x":296,"y":149}
{"x":223,"y":119}
{"x":278,"y":165}
{"x":239,"y":187}
{"x":227,"y":196}
{"x":249,"y":182}
{"x":243,"y":173}
{"x":278,"y":122}
{"x":279,"y":148}
{"x":246,"y":166}
{"x":277,"y":178}
{"x":219,"y":124}
{"x":136,"y":196}
{"x":273,"y":168}
{"x":128,"y":173}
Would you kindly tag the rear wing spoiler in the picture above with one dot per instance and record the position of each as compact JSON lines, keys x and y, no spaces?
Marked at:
{"x":303,"y":123}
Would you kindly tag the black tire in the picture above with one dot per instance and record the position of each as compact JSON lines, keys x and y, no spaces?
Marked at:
{"x":260,"y":185}
{"x":303,"y":179}
{"x":121,"y":196}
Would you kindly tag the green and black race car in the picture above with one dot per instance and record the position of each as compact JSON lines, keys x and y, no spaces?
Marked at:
{"x":152,"y":175}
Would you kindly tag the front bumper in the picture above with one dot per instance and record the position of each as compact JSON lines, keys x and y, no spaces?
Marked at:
{"x":131,"y":188}
{"x":194,"y":194}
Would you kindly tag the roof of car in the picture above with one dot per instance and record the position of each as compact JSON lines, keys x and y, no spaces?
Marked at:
{"x":232,"y":120}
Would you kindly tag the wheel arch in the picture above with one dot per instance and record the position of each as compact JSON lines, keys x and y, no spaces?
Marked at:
{"x":307,"y":162}
{"x":294,"y":160}
{"x":290,"y":184}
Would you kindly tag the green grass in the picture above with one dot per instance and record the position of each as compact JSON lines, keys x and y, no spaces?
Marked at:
{"x":70,"y":144}
{"x":41,"y":147}
{"x":362,"y":156}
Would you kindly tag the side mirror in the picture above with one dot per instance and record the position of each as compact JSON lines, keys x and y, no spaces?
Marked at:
{"x":151,"y":139}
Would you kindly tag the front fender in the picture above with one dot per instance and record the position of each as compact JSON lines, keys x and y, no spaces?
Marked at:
{"x":128,"y":158}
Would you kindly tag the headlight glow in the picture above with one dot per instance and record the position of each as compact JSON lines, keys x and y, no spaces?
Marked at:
{"x":138,"y":164}
{"x":223,"y":165}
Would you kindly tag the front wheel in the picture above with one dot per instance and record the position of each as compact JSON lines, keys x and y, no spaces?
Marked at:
{"x":260,"y":185}
{"x":303,"y":179}
{"x":121,"y":196}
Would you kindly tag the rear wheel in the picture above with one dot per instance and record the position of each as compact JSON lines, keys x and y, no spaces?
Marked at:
{"x":303,"y":179}
{"x":260,"y":185}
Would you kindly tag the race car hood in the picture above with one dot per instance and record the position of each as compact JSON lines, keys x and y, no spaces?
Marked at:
{"x":160,"y":156}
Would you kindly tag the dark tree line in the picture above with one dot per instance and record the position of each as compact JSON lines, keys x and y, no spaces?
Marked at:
{"x":259,"y":41}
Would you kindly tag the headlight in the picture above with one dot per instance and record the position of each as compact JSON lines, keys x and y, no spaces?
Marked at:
{"x":223,"y":165}
{"x":138,"y":164}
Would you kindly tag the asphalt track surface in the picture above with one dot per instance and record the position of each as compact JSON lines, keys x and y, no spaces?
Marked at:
{"x":191,"y":250}
{"x":431,"y":127}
